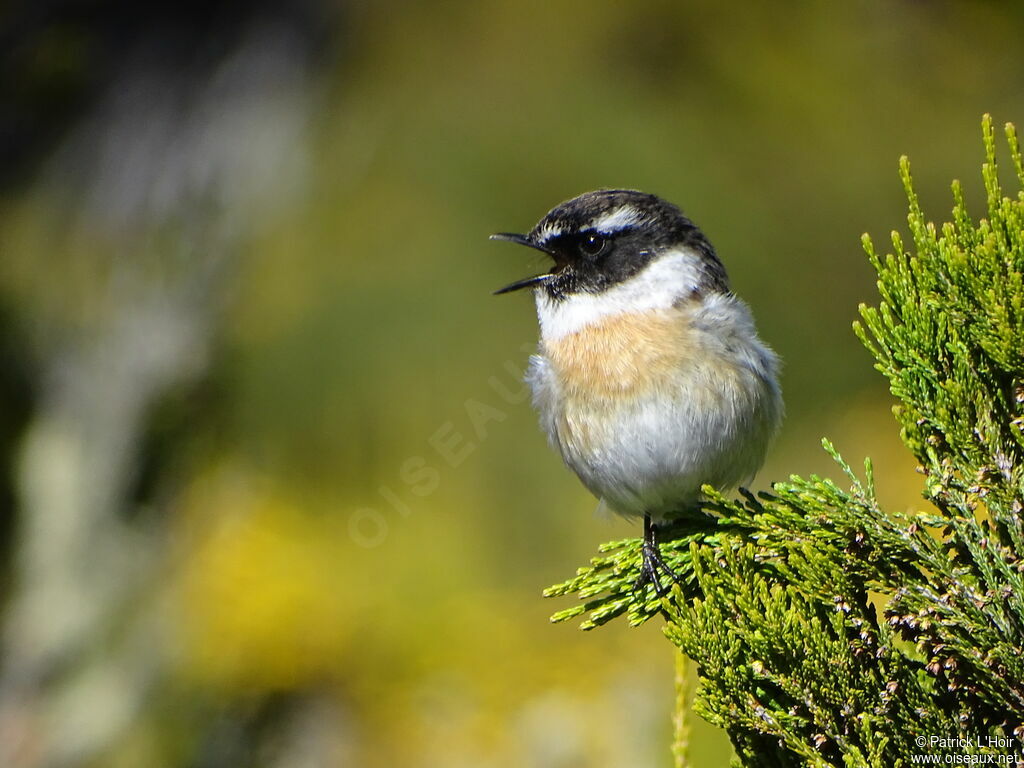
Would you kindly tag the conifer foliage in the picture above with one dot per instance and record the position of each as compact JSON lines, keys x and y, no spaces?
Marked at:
{"x":828,"y":631}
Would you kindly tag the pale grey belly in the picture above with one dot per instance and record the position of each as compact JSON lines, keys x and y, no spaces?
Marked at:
{"x":651,"y":455}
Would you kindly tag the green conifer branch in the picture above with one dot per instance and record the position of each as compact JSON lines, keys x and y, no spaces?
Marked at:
{"x":826,"y":630}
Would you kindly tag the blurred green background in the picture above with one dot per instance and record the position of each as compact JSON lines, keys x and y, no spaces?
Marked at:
{"x":273,"y":494}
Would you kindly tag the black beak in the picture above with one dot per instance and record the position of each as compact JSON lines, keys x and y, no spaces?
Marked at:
{"x":528,"y":282}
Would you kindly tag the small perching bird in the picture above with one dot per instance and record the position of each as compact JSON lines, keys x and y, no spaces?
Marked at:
{"x":650,"y":378}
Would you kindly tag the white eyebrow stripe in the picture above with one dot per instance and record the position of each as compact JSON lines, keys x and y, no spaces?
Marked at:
{"x":620,"y":218}
{"x":549,"y":231}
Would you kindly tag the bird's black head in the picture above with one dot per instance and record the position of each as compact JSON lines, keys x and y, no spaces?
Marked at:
{"x":603,"y":238}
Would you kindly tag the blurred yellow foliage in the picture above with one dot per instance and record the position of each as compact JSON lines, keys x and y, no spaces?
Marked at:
{"x":271,"y":597}
{"x":263,"y":602}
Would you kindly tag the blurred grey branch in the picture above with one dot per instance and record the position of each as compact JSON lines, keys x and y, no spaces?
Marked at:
{"x":174,"y":168}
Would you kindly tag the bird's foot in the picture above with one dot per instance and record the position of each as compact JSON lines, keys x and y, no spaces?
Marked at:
{"x":654,"y":566}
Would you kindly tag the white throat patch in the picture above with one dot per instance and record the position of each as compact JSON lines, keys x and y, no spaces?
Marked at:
{"x":659,"y":285}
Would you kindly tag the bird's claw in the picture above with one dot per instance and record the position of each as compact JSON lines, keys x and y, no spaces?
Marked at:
{"x":653,"y":564}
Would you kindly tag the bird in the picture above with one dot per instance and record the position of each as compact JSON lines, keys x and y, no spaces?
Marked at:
{"x":649,"y":377}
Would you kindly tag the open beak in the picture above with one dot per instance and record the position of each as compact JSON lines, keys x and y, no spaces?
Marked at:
{"x":529,"y":282}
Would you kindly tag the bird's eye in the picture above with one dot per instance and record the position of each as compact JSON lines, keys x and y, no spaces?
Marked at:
{"x":592,"y":245}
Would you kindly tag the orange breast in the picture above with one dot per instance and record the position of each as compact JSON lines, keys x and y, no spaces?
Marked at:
{"x":624,"y":356}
